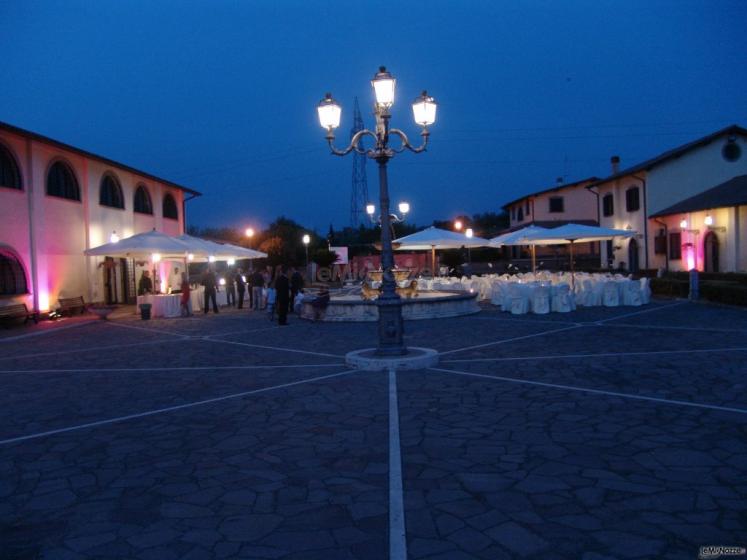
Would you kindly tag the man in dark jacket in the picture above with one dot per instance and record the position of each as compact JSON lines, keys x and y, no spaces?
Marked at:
{"x":208,"y":280}
{"x":296,"y":282}
{"x":282,"y":297}
{"x":258,"y":282}
{"x":240,"y":287}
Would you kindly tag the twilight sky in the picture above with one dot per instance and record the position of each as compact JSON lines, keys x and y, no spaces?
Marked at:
{"x":220,"y":96}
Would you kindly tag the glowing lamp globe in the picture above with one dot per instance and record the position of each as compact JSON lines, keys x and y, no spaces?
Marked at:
{"x":708,"y":220}
{"x":211,"y":258}
{"x":155,"y":257}
{"x":458,"y":225}
{"x":231,"y":262}
{"x":424,"y":110}
{"x":222,"y":281}
{"x":249,"y":232}
{"x":114,"y":238}
{"x":383,"y":83}
{"x":370,"y":209}
{"x":469,"y":233}
{"x":329,"y":113}
{"x":404,"y":207}
{"x":683,"y":224}
{"x":306,"y":239}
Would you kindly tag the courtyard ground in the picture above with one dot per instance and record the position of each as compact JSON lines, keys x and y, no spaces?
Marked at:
{"x":603,"y":433}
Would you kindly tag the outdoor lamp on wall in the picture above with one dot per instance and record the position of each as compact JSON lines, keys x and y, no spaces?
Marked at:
{"x":383,"y":83}
{"x":211,"y":258}
{"x":190,"y":257}
{"x":370,"y":209}
{"x":424,"y":110}
{"x":114,"y":238}
{"x":155,"y":257}
{"x":683,"y":224}
{"x":329,"y":113}
{"x":708,"y":220}
{"x":404,"y":208}
{"x":231,"y":262}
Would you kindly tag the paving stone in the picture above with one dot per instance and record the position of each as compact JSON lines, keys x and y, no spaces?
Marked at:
{"x":517,"y":539}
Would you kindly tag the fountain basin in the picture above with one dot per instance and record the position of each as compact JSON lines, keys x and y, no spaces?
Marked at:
{"x":427,"y":305}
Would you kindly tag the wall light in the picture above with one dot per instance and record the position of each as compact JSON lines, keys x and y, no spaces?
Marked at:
{"x":708,"y":220}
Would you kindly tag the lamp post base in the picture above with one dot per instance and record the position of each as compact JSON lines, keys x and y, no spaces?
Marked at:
{"x":414,"y":358}
{"x":391,"y":327}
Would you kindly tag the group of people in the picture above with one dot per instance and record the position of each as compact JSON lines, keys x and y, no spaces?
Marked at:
{"x":276,"y":295}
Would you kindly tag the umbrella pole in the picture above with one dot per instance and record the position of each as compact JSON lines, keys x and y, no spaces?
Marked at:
{"x":433,"y":260}
{"x":534,"y":259}
{"x":573,"y":276}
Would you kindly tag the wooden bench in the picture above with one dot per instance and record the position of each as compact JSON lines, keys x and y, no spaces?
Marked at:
{"x":71,"y":304}
{"x":16,"y":311}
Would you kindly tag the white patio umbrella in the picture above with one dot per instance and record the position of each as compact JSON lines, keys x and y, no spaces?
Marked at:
{"x":142,"y":245}
{"x":578,"y":233}
{"x":433,"y":238}
{"x":522,"y":236}
{"x":220,"y":251}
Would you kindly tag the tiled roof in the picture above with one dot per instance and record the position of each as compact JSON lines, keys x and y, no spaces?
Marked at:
{"x":730,"y":193}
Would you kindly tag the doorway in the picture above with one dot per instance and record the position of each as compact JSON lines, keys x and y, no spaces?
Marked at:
{"x":711,"y":252}
{"x":633,"y":256}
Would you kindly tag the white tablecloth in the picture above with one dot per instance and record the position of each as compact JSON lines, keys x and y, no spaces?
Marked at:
{"x":162,"y":305}
{"x":197,"y":298}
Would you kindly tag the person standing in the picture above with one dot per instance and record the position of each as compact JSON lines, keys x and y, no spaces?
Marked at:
{"x":240,"y":283}
{"x":282,"y":296}
{"x":258,"y":283}
{"x":208,"y":281}
{"x":185,"y":301}
{"x":230,"y":288}
{"x":296,"y":283}
{"x":145,"y":286}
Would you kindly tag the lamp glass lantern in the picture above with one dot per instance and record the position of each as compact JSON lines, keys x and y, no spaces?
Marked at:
{"x":306,"y":239}
{"x":458,"y":225}
{"x":384,"y":83}
{"x":114,"y":238}
{"x":370,"y":209}
{"x":404,"y":208}
{"x":708,"y":220}
{"x":469,"y":233}
{"x":424,"y":110}
{"x":249,"y":232}
{"x":683,"y":224}
{"x":329,"y":113}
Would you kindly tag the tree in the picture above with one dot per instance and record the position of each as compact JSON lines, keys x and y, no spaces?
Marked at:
{"x":325,"y":258}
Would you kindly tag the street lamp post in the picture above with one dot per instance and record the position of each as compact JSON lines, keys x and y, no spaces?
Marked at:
{"x":391,"y":327}
{"x":306,"y":240}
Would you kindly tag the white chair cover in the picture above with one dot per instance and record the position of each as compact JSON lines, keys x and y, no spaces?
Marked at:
{"x":562,"y":299}
{"x":645,"y":291}
{"x":632,"y":295}
{"x":541,"y":300}
{"x":611,"y":294}
{"x":519,"y":302}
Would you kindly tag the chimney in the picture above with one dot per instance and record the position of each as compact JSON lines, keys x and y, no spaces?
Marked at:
{"x":615,"y":161}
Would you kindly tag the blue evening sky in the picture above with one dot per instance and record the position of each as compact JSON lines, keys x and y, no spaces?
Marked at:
{"x":220,"y":96}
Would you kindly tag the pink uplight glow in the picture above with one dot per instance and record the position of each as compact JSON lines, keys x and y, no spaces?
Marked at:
{"x":43,"y":301}
{"x":690,"y":256}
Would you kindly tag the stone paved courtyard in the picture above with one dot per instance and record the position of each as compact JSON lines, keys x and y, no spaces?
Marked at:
{"x":603,"y":433}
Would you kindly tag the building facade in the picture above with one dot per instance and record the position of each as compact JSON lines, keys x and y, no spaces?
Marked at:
{"x":636,"y":197}
{"x":56,"y":201}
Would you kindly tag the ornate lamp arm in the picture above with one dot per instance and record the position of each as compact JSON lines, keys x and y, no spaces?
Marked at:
{"x":354,"y":143}
{"x":406,"y":142}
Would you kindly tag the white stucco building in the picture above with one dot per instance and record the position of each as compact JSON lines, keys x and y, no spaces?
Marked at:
{"x":647,"y":198}
{"x":56,"y":201}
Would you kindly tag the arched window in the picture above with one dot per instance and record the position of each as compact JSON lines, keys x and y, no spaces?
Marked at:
{"x":12,"y":275}
{"x":143,"y":204}
{"x":110,"y":193}
{"x":169,"y":208}
{"x":61,"y":182}
{"x":9,"y":175}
